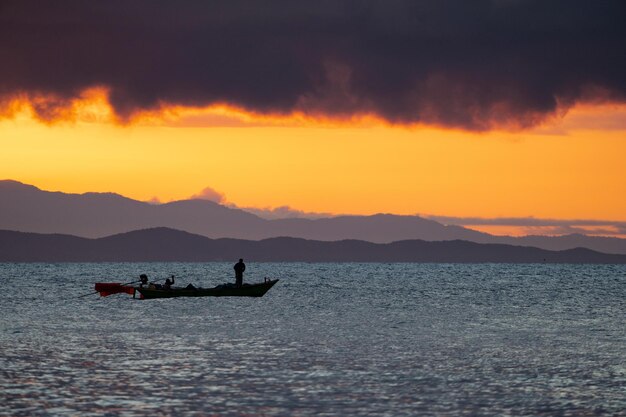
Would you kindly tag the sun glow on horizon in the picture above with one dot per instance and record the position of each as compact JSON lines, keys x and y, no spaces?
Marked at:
{"x":567,"y":168}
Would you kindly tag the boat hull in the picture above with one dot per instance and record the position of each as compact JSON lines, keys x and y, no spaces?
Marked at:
{"x":248,"y":290}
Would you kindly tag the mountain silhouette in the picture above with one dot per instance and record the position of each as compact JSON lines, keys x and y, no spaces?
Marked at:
{"x":29,"y":209}
{"x":163,"y":244}
{"x":93,"y":215}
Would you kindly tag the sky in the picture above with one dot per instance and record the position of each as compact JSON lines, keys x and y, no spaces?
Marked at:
{"x":508,"y":116}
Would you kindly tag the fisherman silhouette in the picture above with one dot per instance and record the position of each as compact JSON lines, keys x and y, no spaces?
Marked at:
{"x":239,"y":268}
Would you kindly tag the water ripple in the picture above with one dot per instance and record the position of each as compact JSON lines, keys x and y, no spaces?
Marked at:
{"x":328,"y":340}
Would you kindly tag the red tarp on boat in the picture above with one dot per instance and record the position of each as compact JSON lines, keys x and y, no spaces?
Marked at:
{"x":109,"y":288}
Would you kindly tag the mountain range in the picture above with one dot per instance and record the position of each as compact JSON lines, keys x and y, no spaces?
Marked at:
{"x":26,"y":208}
{"x":163,"y":244}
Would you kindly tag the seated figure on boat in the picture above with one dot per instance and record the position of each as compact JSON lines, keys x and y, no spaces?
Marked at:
{"x":168,"y":283}
{"x":143,"y":280}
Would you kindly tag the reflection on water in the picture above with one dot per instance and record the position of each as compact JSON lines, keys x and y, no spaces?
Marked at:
{"x":328,"y":339}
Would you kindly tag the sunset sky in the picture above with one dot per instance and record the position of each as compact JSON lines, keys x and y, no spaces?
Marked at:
{"x":507,"y":116}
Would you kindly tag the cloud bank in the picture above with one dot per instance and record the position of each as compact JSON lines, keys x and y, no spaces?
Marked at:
{"x":269,"y":213}
{"x":284,"y":212}
{"x":532,"y":225}
{"x":473,"y":65}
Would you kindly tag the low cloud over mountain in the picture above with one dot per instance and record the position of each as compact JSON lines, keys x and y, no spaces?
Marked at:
{"x":533,"y":225}
{"x":28,"y":209}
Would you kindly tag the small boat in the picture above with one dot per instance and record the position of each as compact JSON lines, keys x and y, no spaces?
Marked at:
{"x":224,"y":290}
{"x":228,"y":290}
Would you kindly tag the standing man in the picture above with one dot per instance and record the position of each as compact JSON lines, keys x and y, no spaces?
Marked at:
{"x":239,"y":268}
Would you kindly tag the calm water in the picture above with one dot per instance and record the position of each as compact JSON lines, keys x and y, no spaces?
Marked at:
{"x":328,"y":339}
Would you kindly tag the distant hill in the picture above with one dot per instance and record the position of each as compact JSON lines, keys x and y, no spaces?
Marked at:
{"x":29,"y":209}
{"x":163,"y":244}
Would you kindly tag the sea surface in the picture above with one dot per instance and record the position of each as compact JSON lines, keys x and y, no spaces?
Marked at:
{"x":327,"y":340}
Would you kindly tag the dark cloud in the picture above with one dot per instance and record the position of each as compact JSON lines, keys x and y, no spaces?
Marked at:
{"x":470,"y":64}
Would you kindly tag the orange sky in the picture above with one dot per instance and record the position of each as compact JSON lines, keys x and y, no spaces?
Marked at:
{"x":567,"y":168}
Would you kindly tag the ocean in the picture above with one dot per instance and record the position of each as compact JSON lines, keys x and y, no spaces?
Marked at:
{"x":342,"y":339}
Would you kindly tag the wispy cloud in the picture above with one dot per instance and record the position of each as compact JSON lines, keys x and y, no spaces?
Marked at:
{"x":533,"y":225}
{"x":494,"y":225}
{"x":154,"y":201}
{"x":270,"y":213}
{"x":210,"y":194}
{"x":284,"y":212}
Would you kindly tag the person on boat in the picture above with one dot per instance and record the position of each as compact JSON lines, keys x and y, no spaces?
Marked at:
{"x":143,"y":280}
{"x":239,"y":268}
{"x":168,"y":283}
